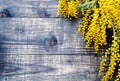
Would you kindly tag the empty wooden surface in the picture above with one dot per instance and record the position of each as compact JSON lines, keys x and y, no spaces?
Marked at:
{"x":23,"y":54}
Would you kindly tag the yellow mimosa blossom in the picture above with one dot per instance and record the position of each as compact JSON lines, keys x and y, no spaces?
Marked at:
{"x":68,"y":8}
{"x":98,"y":17}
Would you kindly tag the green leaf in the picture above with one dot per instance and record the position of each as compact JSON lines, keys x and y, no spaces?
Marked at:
{"x":86,"y":5}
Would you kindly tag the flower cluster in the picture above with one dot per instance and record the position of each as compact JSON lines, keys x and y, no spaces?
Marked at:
{"x":94,"y":26}
{"x":68,"y":8}
{"x":98,"y":17}
{"x":113,"y":54}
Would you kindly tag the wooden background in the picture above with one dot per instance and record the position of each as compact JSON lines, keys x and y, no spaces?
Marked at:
{"x":23,"y":56}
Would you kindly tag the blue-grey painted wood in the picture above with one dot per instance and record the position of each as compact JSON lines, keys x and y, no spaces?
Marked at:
{"x":30,"y":8}
{"x":25,"y":55}
{"x":48,"y":67}
{"x":26,"y":34}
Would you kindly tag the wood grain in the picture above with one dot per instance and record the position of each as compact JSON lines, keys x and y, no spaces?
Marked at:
{"x":23,"y":54}
{"x":30,"y":8}
{"x":27,"y":34}
{"x":59,"y":67}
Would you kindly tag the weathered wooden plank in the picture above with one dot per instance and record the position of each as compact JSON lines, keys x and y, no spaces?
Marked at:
{"x":31,"y":9}
{"x":21,"y":12}
{"x":30,"y":3}
{"x":48,"y":67}
{"x":25,"y":8}
{"x":27,"y":36}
